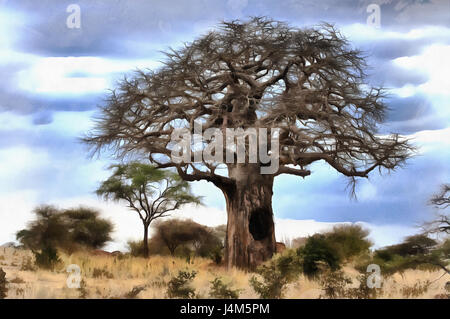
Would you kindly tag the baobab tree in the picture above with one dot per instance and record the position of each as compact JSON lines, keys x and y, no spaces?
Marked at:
{"x":306,"y":86}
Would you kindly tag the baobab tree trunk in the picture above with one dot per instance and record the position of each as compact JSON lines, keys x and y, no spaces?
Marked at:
{"x":250,"y":238}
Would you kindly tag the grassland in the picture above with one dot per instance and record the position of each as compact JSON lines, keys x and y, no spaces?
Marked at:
{"x":116,"y":277}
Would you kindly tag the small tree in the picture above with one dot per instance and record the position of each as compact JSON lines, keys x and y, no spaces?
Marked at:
{"x":414,"y":252}
{"x":221,"y":290}
{"x":175,"y":233}
{"x":65,"y":229}
{"x":275,"y":275}
{"x":180,"y":286}
{"x":87,"y":228}
{"x":317,"y":250}
{"x":47,"y":230}
{"x":149,"y":191}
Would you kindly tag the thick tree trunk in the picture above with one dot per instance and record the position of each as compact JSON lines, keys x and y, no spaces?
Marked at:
{"x":250,"y":236}
{"x":145,"y":242}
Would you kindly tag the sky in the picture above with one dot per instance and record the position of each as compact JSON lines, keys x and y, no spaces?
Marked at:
{"x":54,"y":77}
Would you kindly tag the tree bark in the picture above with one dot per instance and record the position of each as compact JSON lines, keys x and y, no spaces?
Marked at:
{"x":145,"y":242}
{"x":250,"y":238}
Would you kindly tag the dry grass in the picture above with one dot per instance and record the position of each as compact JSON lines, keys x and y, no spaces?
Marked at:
{"x":115,"y":277}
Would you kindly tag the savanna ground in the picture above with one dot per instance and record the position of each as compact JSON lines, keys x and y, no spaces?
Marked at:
{"x":134,"y":277}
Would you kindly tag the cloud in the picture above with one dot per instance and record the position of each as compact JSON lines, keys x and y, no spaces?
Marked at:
{"x":109,"y":28}
{"x":76,"y":75}
{"x":432,"y":61}
{"x":15,"y":212}
{"x":106,"y":26}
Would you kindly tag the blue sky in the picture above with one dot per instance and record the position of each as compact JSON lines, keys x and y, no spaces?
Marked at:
{"x":54,"y":77}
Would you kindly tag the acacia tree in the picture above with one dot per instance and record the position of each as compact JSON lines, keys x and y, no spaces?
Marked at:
{"x":309,"y":84}
{"x":149,"y":191}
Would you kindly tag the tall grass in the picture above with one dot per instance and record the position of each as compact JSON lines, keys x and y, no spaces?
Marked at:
{"x":122,"y":277}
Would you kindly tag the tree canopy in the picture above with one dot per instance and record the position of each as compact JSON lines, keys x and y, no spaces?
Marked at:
{"x":261,"y":73}
{"x":67,"y":229}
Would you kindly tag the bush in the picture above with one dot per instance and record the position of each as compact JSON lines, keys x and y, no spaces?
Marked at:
{"x":334,"y":284}
{"x":182,"y":237}
{"x":47,"y":258}
{"x":179,"y":286}
{"x":3,"y":283}
{"x":48,"y":230}
{"x":416,"y":252}
{"x":363,"y":291}
{"x":220,"y":290}
{"x":135,"y":248}
{"x":411,"y":246}
{"x":65,"y":229}
{"x":86,"y":228}
{"x":416,"y":290}
{"x":349,"y":240}
{"x":275,"y":275}
{"x":318,"y":250}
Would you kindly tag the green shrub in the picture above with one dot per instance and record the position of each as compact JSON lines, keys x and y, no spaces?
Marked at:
{"x":318,"y":250}
{"x":275,"y":275}
{"x":65,"y":229}
{"x":363,"y":291}
{"x":220,"y":290}
{"x":3,"y":283}
{"x":179,"y":286}
{"x":334,"y":284}
{"x":349,"y":240}
{"x":416,"y":290}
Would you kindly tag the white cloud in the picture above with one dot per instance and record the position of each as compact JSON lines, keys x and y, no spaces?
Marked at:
{"x":75,"y":75}
{"x":384,"y":235}
{"x":15,"y":212}
{"x":434,"y":61}
{"x":17,"y":160}
{"x":362,"y":33}
{"x":432,"y":140}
